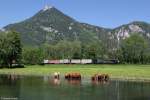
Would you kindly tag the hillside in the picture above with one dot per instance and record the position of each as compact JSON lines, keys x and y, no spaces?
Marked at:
{"x":50,"y":26}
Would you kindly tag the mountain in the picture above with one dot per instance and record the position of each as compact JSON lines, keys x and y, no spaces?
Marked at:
{"x":124,"y":31}
{"x":2,"y":30}
{"x":50,"y":25}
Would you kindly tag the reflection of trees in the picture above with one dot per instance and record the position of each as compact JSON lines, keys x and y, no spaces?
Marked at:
{"x":32,"y":88}
{"x":133,"y":91}
{"x":9,"y":79}
{"x":73,"y":82}
{"x":39,"y":89}
{"x":117,"y":88}
{"x":9,"y":86}
{"x":100,"y":82}
{"x":45,"y":88}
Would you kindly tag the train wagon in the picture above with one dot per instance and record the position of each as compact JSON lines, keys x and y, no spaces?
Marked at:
{"x":82,"y":61}
{"x":86,"y":61}
{"x":53,"y":62}
{"x":64,"y":61}
{"x":75,"y":61}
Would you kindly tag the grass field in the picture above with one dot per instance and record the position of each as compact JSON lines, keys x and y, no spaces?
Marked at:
{"x":123,"y":72}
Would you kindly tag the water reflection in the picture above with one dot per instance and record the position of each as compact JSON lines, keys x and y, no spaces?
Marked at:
{"x":49,"y":88}
{"x":52,"y":80}
{"x":100,"y":82}
{"x":12,"y":77}
{"x":9,"y":86}
{"x":74,"y":82}
{"x":9,"y":79}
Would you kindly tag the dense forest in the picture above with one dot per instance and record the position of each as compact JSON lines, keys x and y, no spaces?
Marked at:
{"x":132,"y":50}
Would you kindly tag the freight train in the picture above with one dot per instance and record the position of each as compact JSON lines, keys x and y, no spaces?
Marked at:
{"x":81,"y":61}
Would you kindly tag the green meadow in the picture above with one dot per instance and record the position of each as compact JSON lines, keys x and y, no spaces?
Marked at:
{"x":121,"y":72}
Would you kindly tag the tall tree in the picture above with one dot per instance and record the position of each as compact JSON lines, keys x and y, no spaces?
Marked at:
{"x":11,"y":49}
{"x":15,"y":46}
{"x":133,"y":49}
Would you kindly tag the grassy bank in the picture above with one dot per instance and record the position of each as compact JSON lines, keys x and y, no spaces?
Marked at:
{"x":123,"y":72}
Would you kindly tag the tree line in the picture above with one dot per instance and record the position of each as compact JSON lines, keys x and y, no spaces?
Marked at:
{"x":132,"y":50}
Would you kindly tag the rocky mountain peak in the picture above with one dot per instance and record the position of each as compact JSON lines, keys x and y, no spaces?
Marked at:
{"x":47,"y":7}
{"x":2,"y":30}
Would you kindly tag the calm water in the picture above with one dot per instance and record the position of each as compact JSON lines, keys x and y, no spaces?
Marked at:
{"x":45,"y":88}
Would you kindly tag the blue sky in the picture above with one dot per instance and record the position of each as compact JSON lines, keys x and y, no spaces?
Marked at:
{"x":105,"y":13}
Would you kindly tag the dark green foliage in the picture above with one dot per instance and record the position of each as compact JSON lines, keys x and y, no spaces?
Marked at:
{"x":32,"y":56}
{"x":10,"y":49}
{"x":63,"y":50}
{"x":133,"y":49}
{"x":92,"y":50}
{"x":73,"y":50}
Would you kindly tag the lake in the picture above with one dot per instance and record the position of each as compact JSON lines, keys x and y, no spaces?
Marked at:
{"x":46,"y":88}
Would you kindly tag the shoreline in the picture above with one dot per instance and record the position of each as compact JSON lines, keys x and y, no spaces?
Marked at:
{"x":116,"y":72}
{"x":130,"y":79}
